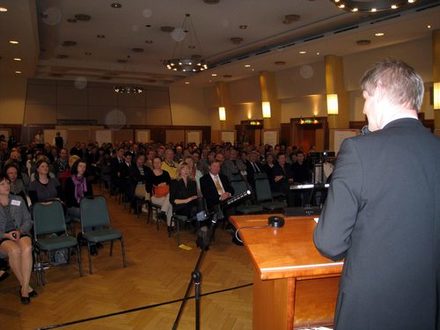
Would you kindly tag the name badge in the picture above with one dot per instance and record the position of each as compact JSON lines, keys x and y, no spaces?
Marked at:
{"x":15,"y":202}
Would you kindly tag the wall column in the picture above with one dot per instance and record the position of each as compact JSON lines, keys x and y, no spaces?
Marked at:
{"x":224,"y":100}
{"x":436,"y":73}
{"x":334,"y":83}
{"x":268,"y":88}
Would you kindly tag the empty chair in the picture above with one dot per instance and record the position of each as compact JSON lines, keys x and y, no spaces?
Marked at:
{"x":95,"y":226}
{"x":264,"y":195}
{"x":51,"y":235}
{"x":240,"y":186}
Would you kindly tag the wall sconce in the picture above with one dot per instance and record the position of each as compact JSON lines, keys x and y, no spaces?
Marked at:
{"x":266,"y":109}
{"x":222,"y":113}
{"x":332,"y":104}
{"x":436,"y":90}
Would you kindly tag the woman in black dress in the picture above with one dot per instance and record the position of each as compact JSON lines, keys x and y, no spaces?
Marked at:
{"x":183,"y":192}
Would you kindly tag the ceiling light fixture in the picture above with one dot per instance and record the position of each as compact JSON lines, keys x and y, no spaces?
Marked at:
{"x":18,"y":59}
{"x":13,"y":42}
{"x":302,"y":52}
{"x":379,"y":34}
{"x":374,"y":6}
{"x":247,"y":65}
{"x":128,"y":89}
{"x":18,"y":72}
{"x":3,"y":9}
{"x":116,"y":5}
{"x":186,"y":41}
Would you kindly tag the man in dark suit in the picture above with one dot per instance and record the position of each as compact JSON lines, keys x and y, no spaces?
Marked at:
{"x":382,"y":212}
{"x":253,"y":166}
{"x":116,"y":164}
{"x":216,"y":189}
{"x":215,"y":186}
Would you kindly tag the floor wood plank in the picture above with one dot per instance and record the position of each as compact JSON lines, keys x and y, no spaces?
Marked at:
{"x":157,"y":271}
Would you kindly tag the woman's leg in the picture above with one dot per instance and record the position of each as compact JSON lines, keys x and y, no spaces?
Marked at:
{"x":13,"y":251}
{"x":25,"y":244}
{"x":167,"y":208}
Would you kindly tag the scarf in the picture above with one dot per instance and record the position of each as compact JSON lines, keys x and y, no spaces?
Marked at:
{"x":80,"y":187}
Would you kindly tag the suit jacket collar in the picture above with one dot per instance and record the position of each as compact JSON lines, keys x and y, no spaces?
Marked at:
{"x":403,"y":122}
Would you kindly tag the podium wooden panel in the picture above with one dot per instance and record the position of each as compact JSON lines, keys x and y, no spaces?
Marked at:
{"x":294,"y":286}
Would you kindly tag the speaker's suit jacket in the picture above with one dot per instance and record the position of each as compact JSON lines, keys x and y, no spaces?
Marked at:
{"x":382,"y":215}
{"x":209,"y":191}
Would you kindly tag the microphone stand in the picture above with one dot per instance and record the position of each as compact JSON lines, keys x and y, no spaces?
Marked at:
{"x":196,"y":278}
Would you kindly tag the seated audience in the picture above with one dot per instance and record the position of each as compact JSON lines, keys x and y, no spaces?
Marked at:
{"x":282,"y":175}
{"x":15,"y":238}
{"x":160,"y":190}
{"x":183,"y":192}
{"x":18,"y":186}
{"x":44,"y":187}
{"x":300,"y":170}
{"x":140,"y":180}
{"x":169,"y":165}
{"x":194,"y":173}
{"x":77,"y":187}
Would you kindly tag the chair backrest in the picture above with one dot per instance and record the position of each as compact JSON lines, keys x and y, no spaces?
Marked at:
{"x":48,"y":218}
{"x":94,"y":213}
{"x":236,"y":177}
{"x":239,"y":187}
{"x":261,"y":175}
{"x":262,"y":190}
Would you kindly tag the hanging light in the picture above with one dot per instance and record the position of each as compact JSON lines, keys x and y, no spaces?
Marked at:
{"x":436,"y":96}
{"x":222,"y":113}
{"x":128,"y":89}
{"x":266,"y":109}
{"x":374,"y":6}
{"x":183,"y":59}
{"x":332,"y":104}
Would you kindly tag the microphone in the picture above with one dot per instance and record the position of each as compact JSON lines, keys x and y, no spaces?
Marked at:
{"x":365,"y":130}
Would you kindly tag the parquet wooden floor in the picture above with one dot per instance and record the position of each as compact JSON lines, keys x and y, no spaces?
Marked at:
{"x":157,"y":271}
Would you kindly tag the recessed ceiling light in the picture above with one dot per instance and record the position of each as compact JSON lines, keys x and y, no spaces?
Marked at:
{"x":429,"y":26}
{"x":3,"y":9}
{"x":379,"y":34}
{"x":18,"y":59}
{"x":373,"y":10}
{"x":342,"y":6}
{"x":148,"y":25}
{"x":148,"y":41}
{"x":317,"y":53}
{"x":354,"y":10}
{"x":18,"y":72}
{"x":214,"y":74}
{"x":247,"y":65}
{"x":253,"y":70}
{"x":243,"y":27}
{"x":116,"y":5}
{"x":393,"y":6}
{"x":411,"y":1}
{"x":186,"y":82}
{"x":13,"y":42}
{"x":302,"y":52}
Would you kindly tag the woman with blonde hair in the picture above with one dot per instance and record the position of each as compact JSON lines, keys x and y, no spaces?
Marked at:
{"x":183,"y":192}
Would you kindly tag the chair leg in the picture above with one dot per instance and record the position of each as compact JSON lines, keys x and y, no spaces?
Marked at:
{"x":90,"y":258}
{"x":78,"y":258}
{"x":124,"y":261}
{"x":111,"y":248}
{"x":178,"y":231}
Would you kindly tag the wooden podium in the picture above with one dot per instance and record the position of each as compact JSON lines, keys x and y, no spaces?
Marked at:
{"x":294,"y":286}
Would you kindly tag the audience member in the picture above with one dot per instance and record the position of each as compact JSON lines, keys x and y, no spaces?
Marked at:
{"x":160,"y":192}
{"x":169,"y":165}
{"x":15,"y":238}
{"x":44,"y":187}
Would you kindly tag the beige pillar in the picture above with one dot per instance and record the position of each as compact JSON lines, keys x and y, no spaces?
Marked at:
{"x":268,"y":88}
{"x":224,"y":100}
{"x":334,"y":83}
{"x":436,"y":72}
